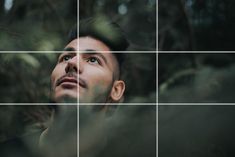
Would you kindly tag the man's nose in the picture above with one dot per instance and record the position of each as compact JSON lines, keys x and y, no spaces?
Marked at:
{"x":80,"y":64}
{"x":71,"y":65}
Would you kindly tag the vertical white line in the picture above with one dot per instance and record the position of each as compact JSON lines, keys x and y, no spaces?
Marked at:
{"x":78,"y":79}
{"x":157,"y":25}
{"x":157,"y":92}
{"x":157,"y":99}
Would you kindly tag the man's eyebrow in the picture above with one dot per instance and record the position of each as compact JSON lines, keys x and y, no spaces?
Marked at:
{"x":69,"y":49}
{"x":94,"y":52}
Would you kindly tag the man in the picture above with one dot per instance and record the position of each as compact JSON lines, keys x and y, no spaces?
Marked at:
{"x":99,"y":67}
{"x":98,"y":81}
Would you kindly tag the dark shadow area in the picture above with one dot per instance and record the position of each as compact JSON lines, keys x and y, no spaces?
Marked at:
{"x":21,"y":127}
{"x":126,"y":131}
{"x":50,"y":130}
{"x":137,"y":18}
{"x":40,"y":25}
{"x":205,"y":131}
{"x":196,"y":25}
{"x":139,"y":73}
{"x":38,"y":131}
{"x":195,"y":77}
{"x":25,"y":77}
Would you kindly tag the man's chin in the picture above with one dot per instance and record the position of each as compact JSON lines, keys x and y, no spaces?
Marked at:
{"x":90,"y":99}
{"x":66,"y":98}
{"x":61,"y":95}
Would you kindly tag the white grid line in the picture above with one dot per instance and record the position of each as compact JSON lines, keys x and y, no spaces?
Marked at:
{"x":156,"y":52}
{"x":196,"y":52}
{"x":124,"y":52}
{"x":157,"y":58}
{"x":196,"y":104}
{"x":80,"y":104}
{"x":123,"y":104}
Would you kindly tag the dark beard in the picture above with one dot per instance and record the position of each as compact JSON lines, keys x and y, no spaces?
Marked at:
{"x":68,"y":99}
{"x":103,"y":97}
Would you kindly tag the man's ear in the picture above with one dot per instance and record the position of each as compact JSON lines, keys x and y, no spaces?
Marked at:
{"x":117,"y":90}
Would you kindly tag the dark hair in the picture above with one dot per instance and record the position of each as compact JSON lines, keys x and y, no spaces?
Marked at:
{"x":104,"y":30}
{"x":73,"y":34}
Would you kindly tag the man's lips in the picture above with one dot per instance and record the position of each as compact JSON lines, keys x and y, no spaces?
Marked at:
{"x":67,"y":80}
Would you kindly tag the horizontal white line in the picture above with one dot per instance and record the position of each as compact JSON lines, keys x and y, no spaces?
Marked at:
{"x":38,"y":104}
{"x":199,"y":104}
{"x":78,"y":104}
{"x":196,"y":51}
{"x":179,"y":104}
{"x":156,"y":52}
{"x":77,"y":52}
{"x":118,"y":104}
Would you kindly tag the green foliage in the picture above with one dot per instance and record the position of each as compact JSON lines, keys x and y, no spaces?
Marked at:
{"x":25,"y":77}
{"x":136,"y":17}
{"x":37,"y":25}
{"x":196,"y":25}
{"x":195,"y":77}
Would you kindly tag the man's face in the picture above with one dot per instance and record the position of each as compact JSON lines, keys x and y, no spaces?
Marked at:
{"x":96,"y":71}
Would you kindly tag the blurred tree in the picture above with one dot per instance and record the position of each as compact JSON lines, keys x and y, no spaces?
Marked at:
{"x":25,"y":77}
{"x":196,"y":77}
{"x":139,"y":73}
{"x":174,"y":30}
{"x":40,"y":25}
{"x":136,"y":17}
{"x":16,"y":121}
{"x":196,"y":25}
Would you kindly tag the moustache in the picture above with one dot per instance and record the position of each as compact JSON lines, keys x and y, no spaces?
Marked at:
{"x":69,"y":74}
{"x":82,"y":83}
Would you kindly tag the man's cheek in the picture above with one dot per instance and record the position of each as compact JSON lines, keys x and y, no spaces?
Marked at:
{"x":100,"y":89}
{"x":101,"y":85}
{"x":53,"y":82}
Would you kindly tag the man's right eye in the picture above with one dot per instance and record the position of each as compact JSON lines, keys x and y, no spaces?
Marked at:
{"x":65,"y":58}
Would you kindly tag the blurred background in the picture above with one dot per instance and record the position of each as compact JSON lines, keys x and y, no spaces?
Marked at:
{"x":196,"y":25}
{"x":137,"y":18}
{"x":25,"y":77}
{"x":196,"y":130}
{"x":196,"y":77}
{"x":20,"y":128}
{"x":40,"y":25}
{"x":22,"y":120}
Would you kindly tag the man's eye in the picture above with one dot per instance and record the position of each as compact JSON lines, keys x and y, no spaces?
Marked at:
{"x":66,"y":57}
{"x":93,"y":60}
